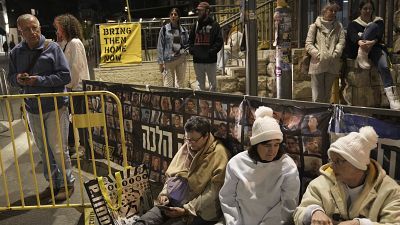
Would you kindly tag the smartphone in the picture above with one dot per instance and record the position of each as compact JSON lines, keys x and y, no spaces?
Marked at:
{"x":163,"y":207}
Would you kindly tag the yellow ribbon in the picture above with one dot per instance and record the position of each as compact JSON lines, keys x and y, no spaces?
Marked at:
{"x":104,"y":192}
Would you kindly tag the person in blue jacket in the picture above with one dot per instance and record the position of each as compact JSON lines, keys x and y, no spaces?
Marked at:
{"x":172,"y":42}
{"x":39,"y":66}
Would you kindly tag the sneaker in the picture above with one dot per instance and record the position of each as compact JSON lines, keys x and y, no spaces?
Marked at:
{"x":62,"y":194}
{"x":46,"y":193}
{"x":362,"y":59}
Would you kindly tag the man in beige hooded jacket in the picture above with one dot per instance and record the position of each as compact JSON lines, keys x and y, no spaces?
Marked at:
{"x":202,"y":162}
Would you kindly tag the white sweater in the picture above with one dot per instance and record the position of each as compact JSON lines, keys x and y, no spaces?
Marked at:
{"x":78,"y":65}
{"x":262,"y":193}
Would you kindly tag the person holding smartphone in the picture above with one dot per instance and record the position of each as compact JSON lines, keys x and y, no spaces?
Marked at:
{"x":39,"y":66}
{"x":193,"y":180}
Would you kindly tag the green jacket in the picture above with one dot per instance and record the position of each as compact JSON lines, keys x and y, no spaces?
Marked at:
{"x":379,"y":201}
{"x":205,"y":175}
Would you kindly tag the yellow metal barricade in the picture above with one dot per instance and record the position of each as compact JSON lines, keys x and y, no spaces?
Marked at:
{"x":21,"y":176}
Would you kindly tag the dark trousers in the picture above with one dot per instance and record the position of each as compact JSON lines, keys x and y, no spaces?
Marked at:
{"x":156,"y":217}
{"x":377,"y":55}
{"x":79,"y":107}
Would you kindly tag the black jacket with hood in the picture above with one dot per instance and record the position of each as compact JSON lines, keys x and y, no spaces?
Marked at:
{"x":205,"y":41}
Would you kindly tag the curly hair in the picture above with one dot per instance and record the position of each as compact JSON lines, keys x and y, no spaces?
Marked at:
{"x":71,"y":26}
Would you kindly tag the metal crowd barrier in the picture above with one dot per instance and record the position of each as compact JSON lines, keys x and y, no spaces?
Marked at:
{"x":22,"y":184}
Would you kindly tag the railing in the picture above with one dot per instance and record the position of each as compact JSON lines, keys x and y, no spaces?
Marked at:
{"x":21,"y":178}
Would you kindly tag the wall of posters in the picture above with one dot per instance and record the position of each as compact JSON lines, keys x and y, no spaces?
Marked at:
{"x":153,"y":124}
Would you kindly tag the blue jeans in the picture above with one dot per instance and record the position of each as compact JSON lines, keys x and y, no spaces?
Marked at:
{"x":53,"y":145}
{"x":377,"y":55}
{"x":201,"y":69}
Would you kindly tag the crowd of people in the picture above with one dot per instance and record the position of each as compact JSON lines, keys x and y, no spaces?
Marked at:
{"x":204,"y":42}
{"x":204,"y":184}
{"x":328,"y":44}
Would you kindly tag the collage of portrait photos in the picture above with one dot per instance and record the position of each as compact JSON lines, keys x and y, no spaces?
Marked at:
{"x":153,"y":124}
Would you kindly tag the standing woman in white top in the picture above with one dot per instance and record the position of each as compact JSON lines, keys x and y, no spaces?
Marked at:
{"x":69,"y":36}
{"x":261,"y":184}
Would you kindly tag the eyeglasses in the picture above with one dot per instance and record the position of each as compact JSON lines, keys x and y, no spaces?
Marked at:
{"x":191,"y":140}
{"x":338,"y":162}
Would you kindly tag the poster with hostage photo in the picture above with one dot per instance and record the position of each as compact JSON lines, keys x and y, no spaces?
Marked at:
{"x":177,"y":121}
{"x":312,"y":146}
{"x":292,"y":144}
{"x":191,"y":106}
{"x":155,"y":117}
{"x":309,"y":126}
{"x":126,"y":95}
{"x":205,"y":108}
{"x":178,"y":105}
{"x":146,"y":100}
{"x":220,"y":110}
{"x":135,"y":99}
{"x":165,"y":103}
{"x":155,"y":101}
{"x":165,"y":120}
{"x":221,"y":129}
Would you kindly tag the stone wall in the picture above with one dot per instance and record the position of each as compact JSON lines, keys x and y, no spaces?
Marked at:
{"x":365,"y":88}
{"x":234,"y":80}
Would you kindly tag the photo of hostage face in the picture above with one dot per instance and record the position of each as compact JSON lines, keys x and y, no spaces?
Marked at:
{"x":191,"y":106}
{"x":177,"y":121}
{"x":204,"y":108}
{"x":292,"y":144}
{"x":312,"y":145}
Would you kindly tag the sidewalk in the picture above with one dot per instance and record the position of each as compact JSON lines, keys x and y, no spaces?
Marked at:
{"x":60,"y":216}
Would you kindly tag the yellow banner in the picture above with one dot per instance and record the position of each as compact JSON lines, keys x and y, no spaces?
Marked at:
{"x":120,"y":44}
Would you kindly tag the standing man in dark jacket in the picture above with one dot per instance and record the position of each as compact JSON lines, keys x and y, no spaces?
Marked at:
{"x":205,"y":41}
{"x":39,"y":66}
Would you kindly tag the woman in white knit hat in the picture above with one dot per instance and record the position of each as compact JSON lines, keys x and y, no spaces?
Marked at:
{"x":262,"y":184}
{"x":352,"y":188}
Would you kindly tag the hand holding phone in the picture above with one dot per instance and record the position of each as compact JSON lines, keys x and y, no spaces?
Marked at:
{"x":164,"y":207}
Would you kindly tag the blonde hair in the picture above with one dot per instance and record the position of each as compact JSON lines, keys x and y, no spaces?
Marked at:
{"x":330,"y":5}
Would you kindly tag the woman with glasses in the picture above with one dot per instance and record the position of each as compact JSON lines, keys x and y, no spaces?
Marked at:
{"x":325,"y":42}
{"x":197,"y":171}
{"x":364,"y":42}
{"x":261,"y":184}
{"x":352,"y":188}
{"x":172,"y":42}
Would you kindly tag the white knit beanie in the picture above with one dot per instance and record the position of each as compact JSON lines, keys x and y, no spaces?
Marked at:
{"x":356,"y":147}
{"x":265,"y":127}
